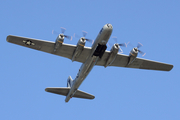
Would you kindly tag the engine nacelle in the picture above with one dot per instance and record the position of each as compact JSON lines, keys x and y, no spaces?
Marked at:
{"x":80,"y":46}
{"x":59,"y":41}
{"x":113,"y":53}
{"x":132,"y":55}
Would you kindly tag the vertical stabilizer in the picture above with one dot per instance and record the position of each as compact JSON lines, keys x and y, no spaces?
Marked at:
{"x":69,"y":82}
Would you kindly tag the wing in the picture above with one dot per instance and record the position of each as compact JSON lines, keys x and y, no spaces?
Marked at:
{"x":122,"y":61}
{"x":66,"y":50}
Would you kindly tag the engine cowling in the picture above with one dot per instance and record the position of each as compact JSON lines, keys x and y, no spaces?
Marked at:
{"x":132,"y":55}
{"x":59,"y":41}
{"x":80,"y":46}
{"x":113,"y":53}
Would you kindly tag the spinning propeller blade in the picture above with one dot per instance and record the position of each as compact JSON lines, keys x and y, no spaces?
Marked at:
{"x":84,"y":35}
{"x":123,"y":44}
{"x":115,"y":39}
{"x":62,"y":33}
{"x":138,"y":46}
{"x":68,"y":37}
{"x":142,"y":53}
{"x":55,"y":32}
{"x":63,"y":30}
{"x":116,"y":42}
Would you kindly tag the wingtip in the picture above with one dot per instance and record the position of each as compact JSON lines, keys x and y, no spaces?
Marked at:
{"x":93,"y":97}
{"x":46,"y":89}
{"x":7,"y":38}
{"x":171,"y":67}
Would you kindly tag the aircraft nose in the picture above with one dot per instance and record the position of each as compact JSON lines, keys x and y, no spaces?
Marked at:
{"x":109,"y":25}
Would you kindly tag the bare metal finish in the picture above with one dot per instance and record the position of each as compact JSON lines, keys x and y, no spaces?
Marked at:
{"x":89,"y":57}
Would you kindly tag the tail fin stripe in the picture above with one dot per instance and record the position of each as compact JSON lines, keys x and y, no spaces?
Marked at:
{"x":69,"y":81}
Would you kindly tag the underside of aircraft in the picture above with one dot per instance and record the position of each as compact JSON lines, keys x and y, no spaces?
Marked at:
{"x":89,"y":57}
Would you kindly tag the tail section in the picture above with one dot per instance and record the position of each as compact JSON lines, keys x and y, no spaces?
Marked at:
{"x":65,"y":91}
{"x":69,"y":91}
{"x":69,"y":82}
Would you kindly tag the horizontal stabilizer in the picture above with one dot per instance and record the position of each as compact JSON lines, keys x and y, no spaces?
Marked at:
{"x":65,"y":90}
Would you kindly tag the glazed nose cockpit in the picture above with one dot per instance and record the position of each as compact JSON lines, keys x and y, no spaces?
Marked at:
{"x":109,"y":25}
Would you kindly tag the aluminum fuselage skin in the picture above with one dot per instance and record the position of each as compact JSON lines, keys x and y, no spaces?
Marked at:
{"x":91,"y":60}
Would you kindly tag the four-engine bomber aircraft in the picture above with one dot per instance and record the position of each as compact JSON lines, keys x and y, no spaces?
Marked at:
{"x":89,"y":56}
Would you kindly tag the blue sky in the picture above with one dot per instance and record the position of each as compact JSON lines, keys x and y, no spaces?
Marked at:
{"x":120,"y":93}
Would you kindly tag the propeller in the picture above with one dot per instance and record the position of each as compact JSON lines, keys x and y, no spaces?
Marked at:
{"x":84,"y":33}
{"x":84,"y":37}
{"x":118,"y":45}
{"x":137,"y":48}
{"x":63,"y":30}
{"x":62,"y":33}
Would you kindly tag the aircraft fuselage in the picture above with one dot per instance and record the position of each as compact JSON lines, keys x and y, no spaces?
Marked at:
{"x":98,"y":49}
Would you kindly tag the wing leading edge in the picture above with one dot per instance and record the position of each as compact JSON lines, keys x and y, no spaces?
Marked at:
{"x":66,"y":50}
{"x":122,"y":61}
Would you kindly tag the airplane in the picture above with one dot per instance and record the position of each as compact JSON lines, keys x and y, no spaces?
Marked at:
{"x":89,"y":57}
